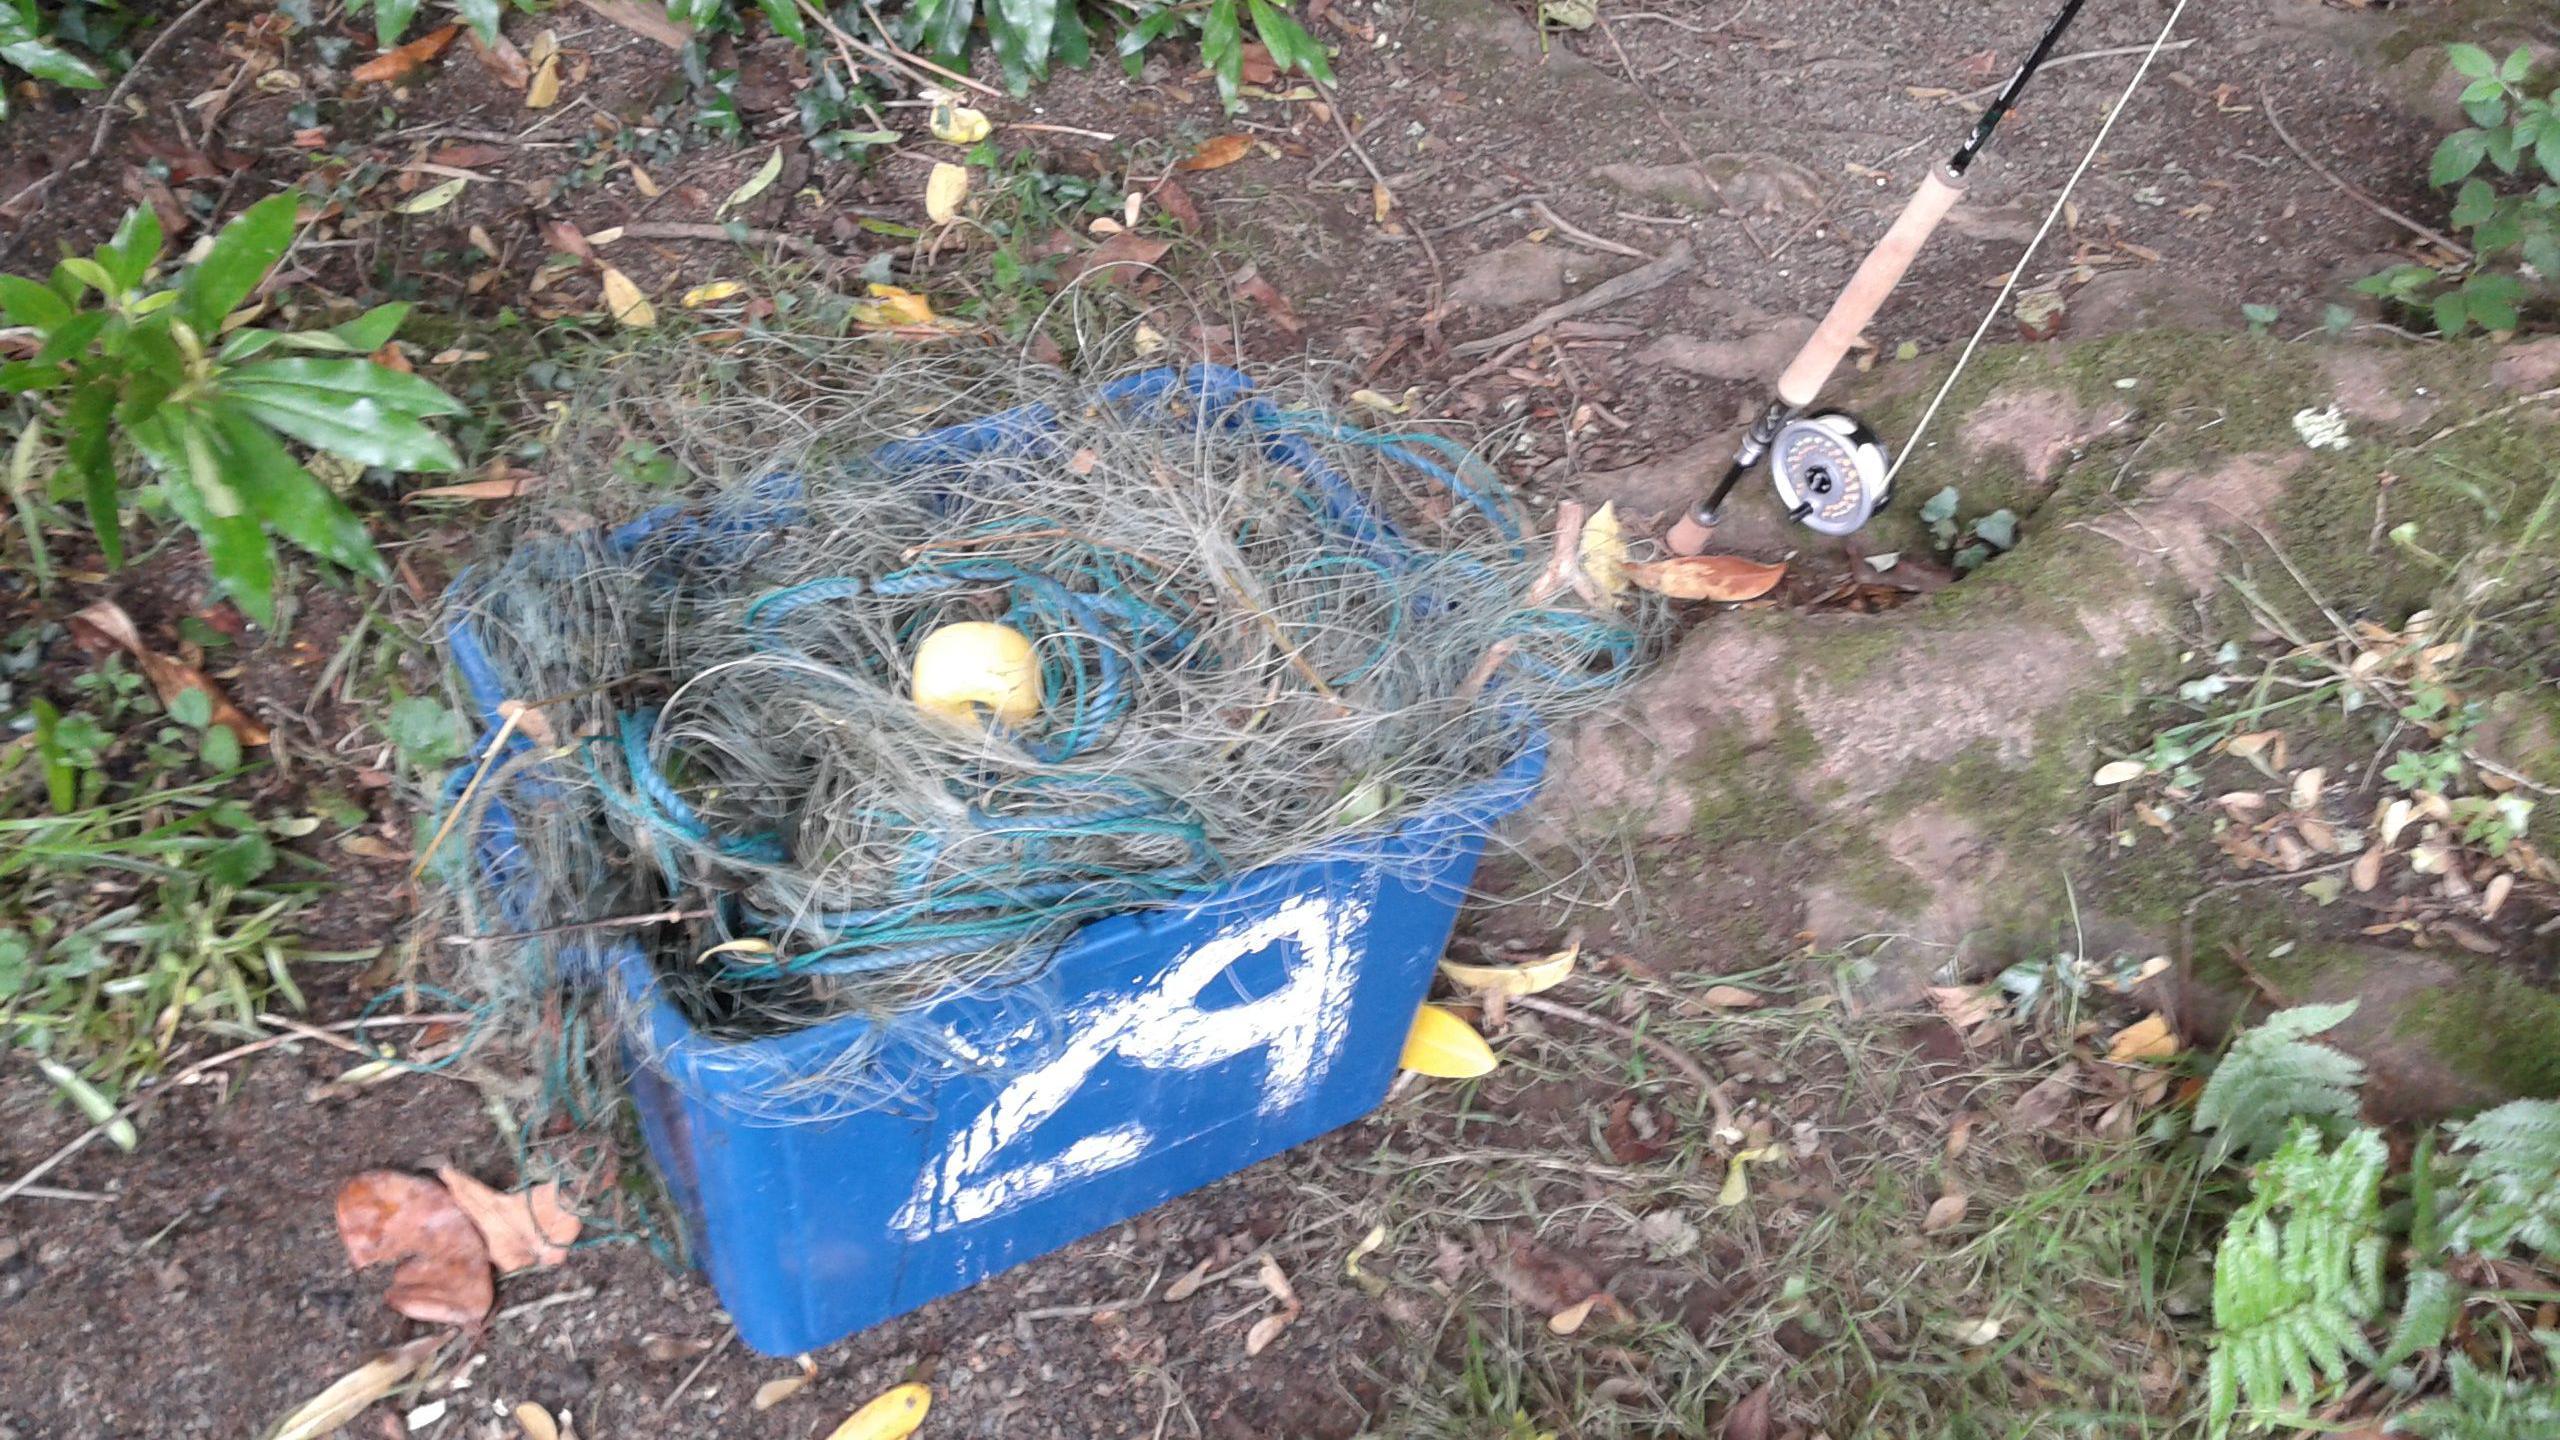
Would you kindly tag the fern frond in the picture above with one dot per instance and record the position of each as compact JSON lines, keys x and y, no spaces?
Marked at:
{"x":2426,"y":1316}
{"x":2484,"y":1406}
{"x":2275,"y":1074}
{"x":2298,"y":1274}
{"x":2510,"y":1180}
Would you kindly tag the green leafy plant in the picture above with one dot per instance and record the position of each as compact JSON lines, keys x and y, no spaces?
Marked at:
{"x":2513,"y":1161}
{"x":131,"y":366}
{"x":2481,"y":1404}
{"x":2274,"y":1075}
{"x":2298,"y":1274}
{"x":1969,"y":544}
{"x":2511,"y":212}
{"x":27,"y":43}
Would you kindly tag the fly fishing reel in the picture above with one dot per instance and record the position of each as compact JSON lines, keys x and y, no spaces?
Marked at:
{"x":1832,"y":473}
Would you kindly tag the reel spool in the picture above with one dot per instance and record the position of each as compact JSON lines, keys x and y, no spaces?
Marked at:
{"x":1830,"y":472}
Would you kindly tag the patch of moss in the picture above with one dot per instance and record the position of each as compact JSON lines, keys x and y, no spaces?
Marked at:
{"x":2496,"y":1029}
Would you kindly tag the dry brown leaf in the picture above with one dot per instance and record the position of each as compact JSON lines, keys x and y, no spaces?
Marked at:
{"x":443,"y":1276}
{"x":1187,"y":1284}
{"x":1216,"y":152}
{"x":1945,"y":1212}
{"x":505,"y":63}
{"x":536,"y":1422}
{"x":1726,"y":578}
{"x":2243,"y":747}
{"x":1124,"y":249}
{"x":2395,"y":818}
{"x":1177,"y":203}
{"x":1382,"y":202}
{"x":2368,"y":870}
{"x":1731,"y":997}
{"x":2148,"y":1038}
{"x":2119,"y":772}
{"x":524,"y":1229}
{"x":1250,"y":284}
{"x":504,"y":488}
{"x":1276,"y":1281}
{"x":106,"y":625}
{"x":1570,"y":1319}
{"x":1750,"y":1419}
{"x":774,"y":1392}
{"x":402,"y":61}
{"x":1960,"y":1135}
{"x":1267,"y":1329}
{"x":651,"y":21}
{"x":543,"y":90}
{"x":1966,"y":1007}
{"x":335,"y":1408}
{"x":2044,"y":1106}
{"x":2307,"y":787}
{"x":2494,"y":898}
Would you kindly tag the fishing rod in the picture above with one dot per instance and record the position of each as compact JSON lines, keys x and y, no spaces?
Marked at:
{"x":1830,"y":470}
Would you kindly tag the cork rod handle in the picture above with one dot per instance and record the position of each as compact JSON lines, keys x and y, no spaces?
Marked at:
{"x":1868,"y":289}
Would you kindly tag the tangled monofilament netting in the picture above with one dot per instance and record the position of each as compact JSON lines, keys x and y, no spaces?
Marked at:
{"x":1261,"y":633}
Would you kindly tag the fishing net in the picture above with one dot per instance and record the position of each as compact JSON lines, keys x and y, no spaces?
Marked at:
{"x":1260,"y":634}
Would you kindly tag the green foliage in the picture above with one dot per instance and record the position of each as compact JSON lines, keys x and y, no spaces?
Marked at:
{"x":2274,"y":1076}
{"x":2298,"y":1274}
{"x":27,"y":43}
{"x":2484,"y":1405}
{"x":2512,"y":1165}
{"x":2505,"y":173}
{"x":1970,"y":545}
{"x":131,"y":366}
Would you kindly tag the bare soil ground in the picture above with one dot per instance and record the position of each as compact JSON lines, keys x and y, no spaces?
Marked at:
{"x":197,"y":1286}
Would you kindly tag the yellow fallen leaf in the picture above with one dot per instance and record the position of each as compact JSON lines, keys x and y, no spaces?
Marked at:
{"x":1267,"y":1329}
{"x":435,"y":199}
{"x":1737,"y":1180}
{"x":1604,"y":551}
{"x":2241,"y":747}
{"x":749,"y":946}
{"x":944,"y":190}
{"x":1441,"y":1044}
{"x":1384,"y":404}
{"x":629,"y":307}
{"x":1146,"y":339}
{"x":2149,"y":1038}
{"x":1369,"y":1245}
{"x":1526,"y":979}
{"x":890,"y":306}
{"x":1382,"y":202}
{"x":956,"y":124}
{"x":543,"y":91}
{"x":2118,"y":772}
{"x":536,"y":1422}
{"x":894,"y":1415}
{"x":1217,"y":152}
{"x":712,"y":294}
{"x":334,"y":1408}
{"x":753,"y":186}
{"x":641,"y":181}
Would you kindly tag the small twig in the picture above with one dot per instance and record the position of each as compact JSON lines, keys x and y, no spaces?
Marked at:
{"x":1574,"y":232}
{"x":1060,"y":130}
{"x":1663,"y":1050}
{"x":1499,"y":207}
{"x":564,"y":1297}
{"x":2377,"y":207}
{"x":55,"y":1192}
{"x":1378,"y":177}
{"x":143,"y":1101}
{"x":699,"y":1366}
{"x":1022,"y":1319}
{"x":2058,"y":61}
{"x":697,"y":230}
{"x":112,"y":106}
{"x":892,"y":52}
{"x":2475,"y":421}
{"x":618,"y":922}
{"x":1599,"y":297}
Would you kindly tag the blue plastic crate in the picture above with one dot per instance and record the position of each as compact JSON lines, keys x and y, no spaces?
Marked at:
{"x":1182,"y":1044}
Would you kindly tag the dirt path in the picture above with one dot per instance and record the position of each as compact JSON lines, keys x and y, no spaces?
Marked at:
{"x":196,"y":1288}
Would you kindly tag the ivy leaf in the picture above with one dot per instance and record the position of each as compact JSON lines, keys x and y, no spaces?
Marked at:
{"x":1999,"y":529}
{"x":1941,"y":506}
